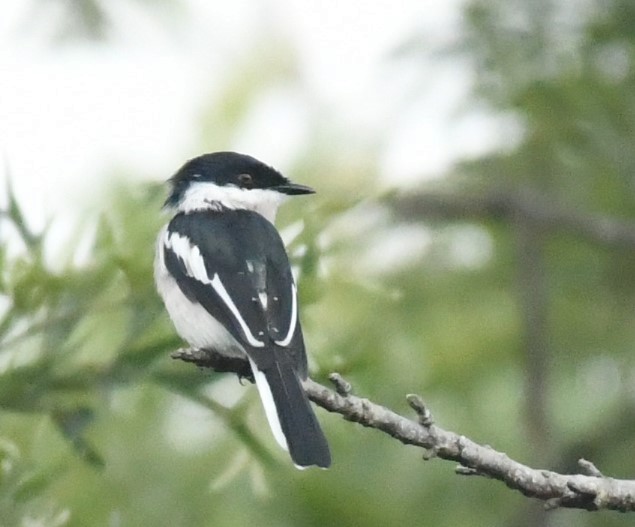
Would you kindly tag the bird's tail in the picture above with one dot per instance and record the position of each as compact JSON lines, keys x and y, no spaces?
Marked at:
{"x":290,"y":415}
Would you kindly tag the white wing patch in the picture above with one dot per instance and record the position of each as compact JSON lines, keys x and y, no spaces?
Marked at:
{"x":294,"y":318}
{"x":264,"y":300}
{"x":222,"y":292}
{"x":194,"y":264}
{"x":190,"y":255}
{"x":262,"y":295}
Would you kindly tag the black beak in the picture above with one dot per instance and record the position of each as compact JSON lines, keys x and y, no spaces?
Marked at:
{"x":293,"y":189}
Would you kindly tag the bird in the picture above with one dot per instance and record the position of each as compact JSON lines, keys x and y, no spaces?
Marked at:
{"x":223,"y":273}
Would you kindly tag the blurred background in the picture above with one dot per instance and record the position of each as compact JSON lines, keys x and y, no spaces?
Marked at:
{"x":472,"y":240}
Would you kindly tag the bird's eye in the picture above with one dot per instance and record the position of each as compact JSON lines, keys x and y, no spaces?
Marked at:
{"x":246,"y":180}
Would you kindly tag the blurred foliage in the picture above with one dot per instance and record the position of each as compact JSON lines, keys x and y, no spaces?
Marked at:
{"x":88,"y":20}
{"x":100,"y":427}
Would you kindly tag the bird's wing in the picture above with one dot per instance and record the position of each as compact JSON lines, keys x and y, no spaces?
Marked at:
{"x":234,"y":265}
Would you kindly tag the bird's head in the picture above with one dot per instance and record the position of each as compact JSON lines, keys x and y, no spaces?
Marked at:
{"x":232,"y":181}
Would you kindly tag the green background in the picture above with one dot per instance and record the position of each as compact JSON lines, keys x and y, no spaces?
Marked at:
{"x":517,"y":332}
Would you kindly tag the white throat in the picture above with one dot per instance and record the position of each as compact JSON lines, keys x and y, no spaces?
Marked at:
{"x":204,"y":195}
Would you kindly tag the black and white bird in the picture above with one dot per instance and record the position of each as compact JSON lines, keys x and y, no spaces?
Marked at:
{"x":224,"y":276}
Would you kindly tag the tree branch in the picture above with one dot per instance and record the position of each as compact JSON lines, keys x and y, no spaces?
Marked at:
{"x":588,"y":490}
{"x":526,"y":205}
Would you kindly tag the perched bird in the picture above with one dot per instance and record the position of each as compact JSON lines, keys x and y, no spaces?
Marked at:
{"x":224,"y":276}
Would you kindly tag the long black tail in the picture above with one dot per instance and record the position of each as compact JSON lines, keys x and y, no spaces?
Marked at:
{"x":290,"y":415}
